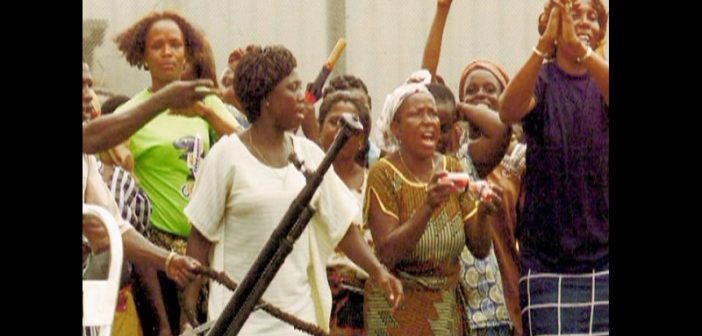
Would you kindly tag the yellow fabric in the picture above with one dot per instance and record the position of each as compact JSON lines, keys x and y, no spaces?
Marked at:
{"x":126,"y":322}
{"x":429,"y":272}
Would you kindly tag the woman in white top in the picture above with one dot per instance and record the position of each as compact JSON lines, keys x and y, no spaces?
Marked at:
{"x":245,"y":186}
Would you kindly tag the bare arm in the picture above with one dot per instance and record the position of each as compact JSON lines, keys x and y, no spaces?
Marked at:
{"x":152,"y":288}
{"x":198,"y":248}
{"x":223,"y":123}
{"x":432,"y":50}
{"x":488,"y":150}
{"x":518,"y":98}
{"x":360,"y":253}
{"x":477,"y":231}
{"x":393,"y":240}
{"x":478,"y":225}
{"x":108,"y":131}
{"x":598,"y":68}
{"x":595,"y":65}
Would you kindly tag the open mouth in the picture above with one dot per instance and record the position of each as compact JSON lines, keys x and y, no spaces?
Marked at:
{"x":585,"y":38}
{"x":429,"y":138}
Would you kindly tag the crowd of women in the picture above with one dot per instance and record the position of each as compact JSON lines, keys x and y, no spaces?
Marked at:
{"x":197,"y":172}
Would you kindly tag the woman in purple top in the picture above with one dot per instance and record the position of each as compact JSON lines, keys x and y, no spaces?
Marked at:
{"x":563,"y":225}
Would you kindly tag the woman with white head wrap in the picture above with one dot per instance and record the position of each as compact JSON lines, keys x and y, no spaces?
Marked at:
{"x":420,"y":220}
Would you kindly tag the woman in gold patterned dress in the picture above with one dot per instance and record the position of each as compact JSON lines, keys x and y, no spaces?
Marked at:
{"x":420,"y":222}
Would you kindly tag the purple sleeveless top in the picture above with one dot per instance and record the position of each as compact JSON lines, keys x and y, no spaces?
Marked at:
{"x":564,"y":224}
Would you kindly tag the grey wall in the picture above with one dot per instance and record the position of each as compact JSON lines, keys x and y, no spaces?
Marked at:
{"x":385,"y":37}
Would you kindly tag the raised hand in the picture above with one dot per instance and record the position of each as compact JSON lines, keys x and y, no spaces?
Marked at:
{"x":547,"y":42}
{"x":569,"y":41}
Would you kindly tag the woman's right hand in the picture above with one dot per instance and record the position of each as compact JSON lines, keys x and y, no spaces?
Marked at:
{"x":182,"y":94}
{"x":439,"y":189}
{"x":547,"y":42}
{"x":183,"y":270}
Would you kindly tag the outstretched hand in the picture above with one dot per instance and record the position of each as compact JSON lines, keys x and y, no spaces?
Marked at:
{"x":181,"y":94}
{"x":547,"y":42}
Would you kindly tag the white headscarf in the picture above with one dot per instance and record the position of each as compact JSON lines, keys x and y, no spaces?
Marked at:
{"x":383,"y":136}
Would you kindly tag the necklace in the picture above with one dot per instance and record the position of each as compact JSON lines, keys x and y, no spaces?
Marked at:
{"x":259,"y":153}
{"x":410,"y":170}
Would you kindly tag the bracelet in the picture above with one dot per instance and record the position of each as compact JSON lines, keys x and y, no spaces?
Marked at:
{"x":539,"y":53}
{"x":168,"y":261}
{"x":587,"y":55}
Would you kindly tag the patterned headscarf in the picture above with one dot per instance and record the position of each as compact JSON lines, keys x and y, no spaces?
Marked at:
{"x":497,"y":70}
{"x":383,"y":136}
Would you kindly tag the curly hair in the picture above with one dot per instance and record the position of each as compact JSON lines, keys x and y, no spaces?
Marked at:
{"x":258,"y":73}
{"x":363,"y":115}
{"x":346,"y":82}
{"x":132,"y":41}
{"x":602,"y":18}
{"x":203,"y":65}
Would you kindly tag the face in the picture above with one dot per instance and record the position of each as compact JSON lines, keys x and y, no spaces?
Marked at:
{"x":330,"y":126}
{"x":416,"y":124}
{"x":482,"y":87}
{"x":228,"y":94}
{"x":88,"y":110}
{"x":446,"y":113}
{"x":585,"y":20}
{"x":165,"y":51}
{"x":287,"y":102}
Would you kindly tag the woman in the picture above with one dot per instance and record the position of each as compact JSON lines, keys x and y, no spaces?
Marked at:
{"x":169,"y":148}
{"x":346,"y":279}
{"x":481,"y":147}
{"x":420,"y":222}
{"x":492,"y":283}
{"x":247,"y":184}
{"x":564,"y":224}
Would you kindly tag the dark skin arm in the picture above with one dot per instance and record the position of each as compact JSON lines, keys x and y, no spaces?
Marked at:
{"x":393,"y":240}
{"x":108,"y":131}
{"x":360,"y":253}
{"x":487,"y":151}
{"x":518,"y":97}
{"x":199,"y":249}
{"x":432,"y":49}
{"x":152,"y":287}
{"x":137,"y":249}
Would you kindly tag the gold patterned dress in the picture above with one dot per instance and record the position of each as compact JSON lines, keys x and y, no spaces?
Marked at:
{"x":430,"y":272}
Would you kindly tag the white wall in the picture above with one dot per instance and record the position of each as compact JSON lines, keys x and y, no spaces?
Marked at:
{"x":385,"y":37}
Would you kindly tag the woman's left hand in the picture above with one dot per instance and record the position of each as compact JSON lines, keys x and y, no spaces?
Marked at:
{"x":196,"y":110}
{"x":569,"y":41}
{"x":391,"y":286}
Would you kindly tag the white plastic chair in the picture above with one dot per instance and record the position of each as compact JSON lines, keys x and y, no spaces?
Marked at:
{"x":100,"y":296}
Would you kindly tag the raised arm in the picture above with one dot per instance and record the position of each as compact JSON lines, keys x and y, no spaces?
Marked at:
{"x":432,"y":50}
{"x":518,"y":98}
{"x":487,"y":151}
